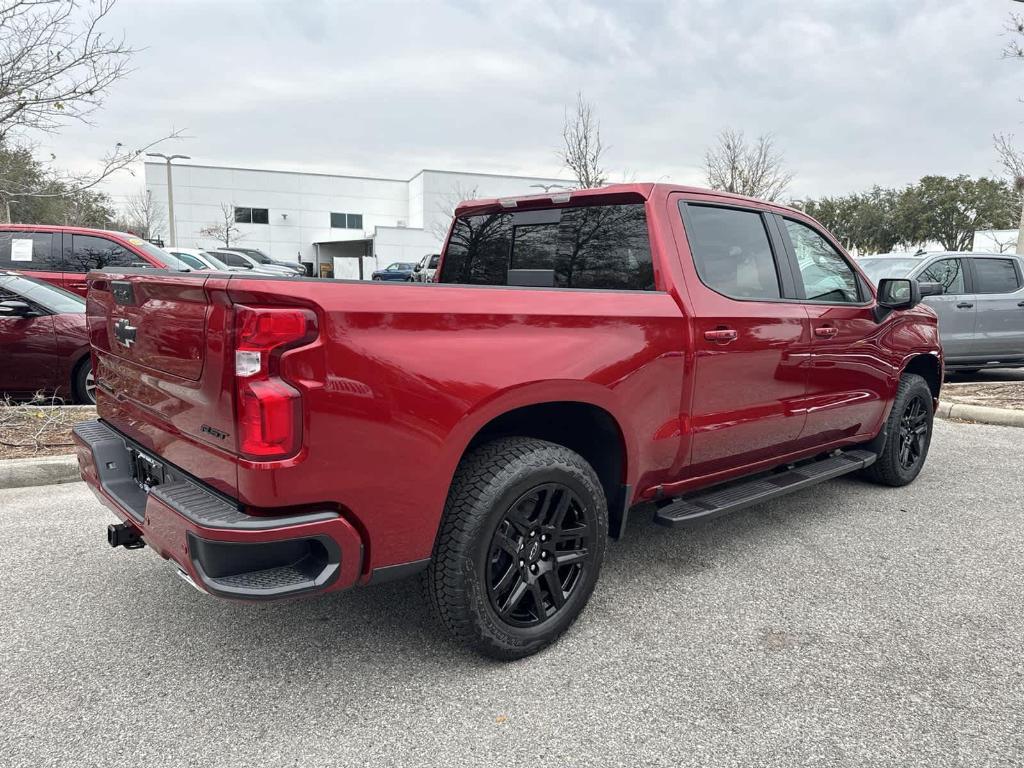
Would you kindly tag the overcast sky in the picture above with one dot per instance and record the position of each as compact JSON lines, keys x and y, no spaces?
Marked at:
{"x":856,"y":92}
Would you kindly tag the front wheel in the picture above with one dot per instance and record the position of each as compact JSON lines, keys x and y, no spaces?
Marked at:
{"x":908,"y":434}
{"x":520,"y":546}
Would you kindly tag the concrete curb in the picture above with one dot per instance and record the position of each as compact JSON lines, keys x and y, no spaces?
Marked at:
{"x":982,"y":414}
{"x":45,"y":470}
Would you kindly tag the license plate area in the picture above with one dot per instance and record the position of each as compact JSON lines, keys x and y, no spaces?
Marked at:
{"x":147,"y":472}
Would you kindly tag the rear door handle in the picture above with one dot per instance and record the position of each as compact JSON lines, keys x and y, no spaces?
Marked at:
{"x":968,"y":305}
{"x":826,"y":331}
{"x":1020,"y":303}
{"x":720,"y":335}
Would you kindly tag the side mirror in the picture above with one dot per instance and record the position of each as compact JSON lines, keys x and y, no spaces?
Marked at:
{"x":418,"y":268}
{"x":932,"y":289}
{"x":898,"y":293}
{"x":14,"y":308}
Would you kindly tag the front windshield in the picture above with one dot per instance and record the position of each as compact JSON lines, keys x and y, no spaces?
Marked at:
{"x":879,"y":269}
{"x":256,"y":255}
{"x":162,"y":256}
{"x":49,"y":297}
{"x":189,"y":260}
{"x":214,"y":261}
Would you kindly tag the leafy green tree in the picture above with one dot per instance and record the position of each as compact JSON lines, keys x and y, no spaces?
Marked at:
{"x":950,"y":210}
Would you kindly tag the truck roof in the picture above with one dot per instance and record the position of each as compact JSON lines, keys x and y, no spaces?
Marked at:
{"x":611,"y":192}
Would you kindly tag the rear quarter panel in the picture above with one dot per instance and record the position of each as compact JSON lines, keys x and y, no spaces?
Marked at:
{"x":410,"y":373}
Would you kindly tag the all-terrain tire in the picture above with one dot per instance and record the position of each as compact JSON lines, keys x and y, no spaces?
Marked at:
{"x":889,"y":469}
{"x":492,"y":485}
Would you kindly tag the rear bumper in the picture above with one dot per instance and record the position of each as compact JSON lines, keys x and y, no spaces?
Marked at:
{"x":223,"y":550}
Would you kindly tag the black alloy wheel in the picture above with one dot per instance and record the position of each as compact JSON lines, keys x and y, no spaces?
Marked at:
{"x":539,"y":554}
{"x":914,"y":426}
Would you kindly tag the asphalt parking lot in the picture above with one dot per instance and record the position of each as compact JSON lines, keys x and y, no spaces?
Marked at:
{"x":848,"y":625}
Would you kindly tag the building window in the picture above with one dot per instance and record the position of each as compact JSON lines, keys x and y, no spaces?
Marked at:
{"x":346,"y":221}
{"x":252,"y":215}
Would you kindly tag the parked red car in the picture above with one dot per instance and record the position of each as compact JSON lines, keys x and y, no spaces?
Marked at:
{"x":63,"y":255}
{"x":43,"y":341}
{"x":581,"y":358}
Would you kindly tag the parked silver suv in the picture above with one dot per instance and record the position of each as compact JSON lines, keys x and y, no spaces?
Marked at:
{"x":981,"y":309}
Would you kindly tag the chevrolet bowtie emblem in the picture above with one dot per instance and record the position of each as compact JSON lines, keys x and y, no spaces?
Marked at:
{"x":125,"y":332}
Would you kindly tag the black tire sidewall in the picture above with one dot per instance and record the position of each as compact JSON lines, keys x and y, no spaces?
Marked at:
{"x":480,"y":604}
{"x":79,"y":389}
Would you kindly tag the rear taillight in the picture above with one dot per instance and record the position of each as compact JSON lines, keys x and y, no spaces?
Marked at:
{"x":269,"y":408}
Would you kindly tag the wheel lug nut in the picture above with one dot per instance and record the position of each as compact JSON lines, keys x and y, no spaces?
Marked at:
{"x":543,"y":537}
{"x":532,"y":534}
{"x":521,"y":563}
{"x":543,"y":555}
{"x":533,"y":568}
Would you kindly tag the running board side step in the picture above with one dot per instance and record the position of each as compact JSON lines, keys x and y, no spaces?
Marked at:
{"x":695,"y":508}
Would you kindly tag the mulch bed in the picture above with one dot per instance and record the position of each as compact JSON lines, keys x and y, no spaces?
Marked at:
{"x":35,"y":429}
{"x":993,"y":395}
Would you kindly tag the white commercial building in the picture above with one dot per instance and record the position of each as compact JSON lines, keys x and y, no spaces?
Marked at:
{"x":354,"y":224}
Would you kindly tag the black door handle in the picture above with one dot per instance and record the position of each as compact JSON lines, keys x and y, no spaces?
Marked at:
{"x":1020,"y":303}
{"x":967,"y":305}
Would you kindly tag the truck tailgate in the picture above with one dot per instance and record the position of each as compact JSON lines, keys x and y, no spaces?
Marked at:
{"x":159,"y":351}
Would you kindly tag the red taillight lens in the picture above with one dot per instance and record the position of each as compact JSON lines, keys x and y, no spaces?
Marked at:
{"x":269,"y":409}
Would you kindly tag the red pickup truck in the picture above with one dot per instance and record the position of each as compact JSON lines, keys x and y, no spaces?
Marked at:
{"x":580,"y":357}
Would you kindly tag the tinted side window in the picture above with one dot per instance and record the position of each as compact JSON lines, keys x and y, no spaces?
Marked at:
{"x":232,"y":259}
{"x":995,"y":276}
{"x":826,"y":275}
{"x":948,"y":273}
{"x":89,"y":252}
{"x":598,"y":247}
{"x":732,"y":252}
{"x":29,"y":252}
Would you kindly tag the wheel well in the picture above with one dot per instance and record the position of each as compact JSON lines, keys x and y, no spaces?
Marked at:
{"x":927,"y":367}
{"x":588,"y":430}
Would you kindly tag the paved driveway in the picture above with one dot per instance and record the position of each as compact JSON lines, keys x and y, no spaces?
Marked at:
{"x":849,"y":625}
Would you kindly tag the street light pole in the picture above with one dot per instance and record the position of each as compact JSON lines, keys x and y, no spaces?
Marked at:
{"x":172,"y":240}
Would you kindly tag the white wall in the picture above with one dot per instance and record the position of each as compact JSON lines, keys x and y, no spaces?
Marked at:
{"x":995,"y":241}
{"x":391,"y":244}
{"x":300,"y":206}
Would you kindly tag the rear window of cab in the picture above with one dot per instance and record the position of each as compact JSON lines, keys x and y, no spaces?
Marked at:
{"x":591,"y":247}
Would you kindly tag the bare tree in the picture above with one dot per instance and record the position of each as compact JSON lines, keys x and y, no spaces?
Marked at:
{"x":55,"y":63}
{"x":224,"y":230}
{"x":1014,"y":28}
{"x":144,"y":217}
{"x":1013,"y":170}
{"x":755,"y":169}
{"x":56,"y":66}
{"x":446,"y":208}
{"x":583,"y":150}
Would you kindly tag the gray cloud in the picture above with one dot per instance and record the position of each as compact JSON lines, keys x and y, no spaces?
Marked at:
{"x":855,"y":93}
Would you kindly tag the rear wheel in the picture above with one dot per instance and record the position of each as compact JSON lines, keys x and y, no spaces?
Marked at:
{"x":520,"y":546}
{"x":84,"y":384}
{"x":908,"y":434}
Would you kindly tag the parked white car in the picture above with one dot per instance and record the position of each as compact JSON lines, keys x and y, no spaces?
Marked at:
{"x":197,"y":258}
{"x":424,"y":271}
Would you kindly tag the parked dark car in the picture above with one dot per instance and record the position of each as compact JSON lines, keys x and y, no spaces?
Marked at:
{"x":400,"y":270}
{"x":63,"y":255}
{"x":43,"y":340}
{"x":263,"y":260}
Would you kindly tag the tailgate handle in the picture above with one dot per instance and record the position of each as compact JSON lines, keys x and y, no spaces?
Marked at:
{"x":123,"y":292}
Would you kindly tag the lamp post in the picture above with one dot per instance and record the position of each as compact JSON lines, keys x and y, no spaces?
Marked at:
{"x":170,"y":192}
